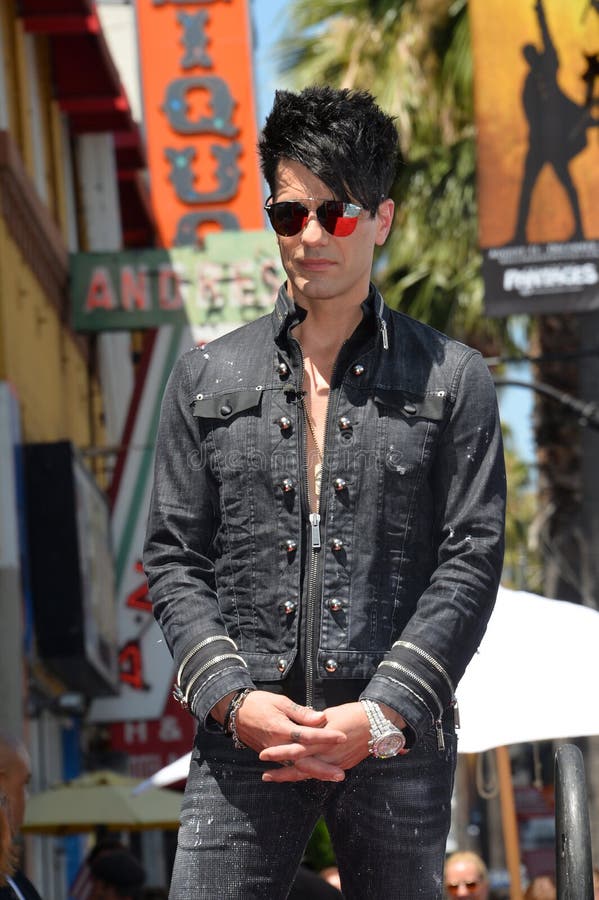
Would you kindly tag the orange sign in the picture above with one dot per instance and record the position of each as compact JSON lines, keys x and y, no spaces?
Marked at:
{"x":200,"y":117}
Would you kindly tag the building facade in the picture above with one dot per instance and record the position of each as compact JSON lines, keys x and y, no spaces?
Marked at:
{"x":71,"y":180}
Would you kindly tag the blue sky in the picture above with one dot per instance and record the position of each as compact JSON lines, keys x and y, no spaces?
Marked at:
{"x":269,"y":21}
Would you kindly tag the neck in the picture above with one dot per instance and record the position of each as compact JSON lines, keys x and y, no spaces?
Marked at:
{"x":326,"y":326}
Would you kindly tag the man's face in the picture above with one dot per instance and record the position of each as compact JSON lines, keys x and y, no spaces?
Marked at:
{"x":320,"y":266}
{"x":14,"y":778}
{"x":103,"y":891}
{"x":463,"y":879}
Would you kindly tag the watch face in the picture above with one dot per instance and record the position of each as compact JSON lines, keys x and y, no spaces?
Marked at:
{"x":389,"y":745}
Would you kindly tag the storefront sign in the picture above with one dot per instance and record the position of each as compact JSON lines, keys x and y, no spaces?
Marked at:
{"x":199,"y":116}
{"x":232,"y":279}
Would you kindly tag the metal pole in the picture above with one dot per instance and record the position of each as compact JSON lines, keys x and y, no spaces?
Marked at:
{"x":572,"y":829}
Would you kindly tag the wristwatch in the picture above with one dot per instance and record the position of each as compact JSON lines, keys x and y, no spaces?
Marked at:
{"x":386,"y":739}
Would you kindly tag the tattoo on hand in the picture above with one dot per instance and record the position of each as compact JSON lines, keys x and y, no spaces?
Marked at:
{"x":295,"y":737}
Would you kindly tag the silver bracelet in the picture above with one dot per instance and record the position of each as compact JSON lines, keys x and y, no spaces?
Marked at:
{"x":232,"y":725}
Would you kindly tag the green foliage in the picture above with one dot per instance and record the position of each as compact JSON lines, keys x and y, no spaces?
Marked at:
{"x":319,"y":852}
{"x":522,"y":568}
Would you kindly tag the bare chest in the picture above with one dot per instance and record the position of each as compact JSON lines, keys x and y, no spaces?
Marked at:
{"x":316,"y":388}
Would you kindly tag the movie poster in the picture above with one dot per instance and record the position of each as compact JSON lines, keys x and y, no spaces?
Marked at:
{"x":536,"y":77}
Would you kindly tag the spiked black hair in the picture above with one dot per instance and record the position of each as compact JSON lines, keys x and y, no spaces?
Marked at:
{"x":342,"y":136}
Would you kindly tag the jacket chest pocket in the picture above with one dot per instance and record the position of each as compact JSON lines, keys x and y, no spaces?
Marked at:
{"x":408,"y":429}
{"x":231,"y":421}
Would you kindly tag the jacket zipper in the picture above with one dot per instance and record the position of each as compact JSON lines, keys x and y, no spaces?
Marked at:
{"x":430,"y":691}
{"x":315,"y":519}
{"x":436,"y":665}
{"x":200,"y":646}
{"x":315,"y":547}
{"x":430,"y":659}
{"x":212,"y":662}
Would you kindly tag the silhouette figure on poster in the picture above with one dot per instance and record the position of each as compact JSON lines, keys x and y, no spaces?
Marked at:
{"x":557,"y":127}
{"x":593,"y":4}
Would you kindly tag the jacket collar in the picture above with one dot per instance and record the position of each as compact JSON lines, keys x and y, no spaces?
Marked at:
{"x":286,"y":314}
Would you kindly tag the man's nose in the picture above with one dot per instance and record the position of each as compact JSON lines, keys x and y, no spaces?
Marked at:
{"x":313,"y":231}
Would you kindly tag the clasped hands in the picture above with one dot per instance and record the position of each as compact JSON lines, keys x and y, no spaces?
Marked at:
{"x":306,"y":743}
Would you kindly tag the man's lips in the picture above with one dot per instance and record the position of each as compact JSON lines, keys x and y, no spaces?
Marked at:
{"x":315,"y":265}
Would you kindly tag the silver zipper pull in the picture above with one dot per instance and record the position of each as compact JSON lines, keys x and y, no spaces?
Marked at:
{"x":315,"y":530}
{"x":456,"y":714}
{"x":385,"y":337}
{"x":440,"y":738}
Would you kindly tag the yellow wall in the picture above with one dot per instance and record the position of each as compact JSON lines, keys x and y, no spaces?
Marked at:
{"x":40,"y":357}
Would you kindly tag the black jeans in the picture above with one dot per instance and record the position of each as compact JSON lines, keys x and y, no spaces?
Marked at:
{"x":243,"y":839}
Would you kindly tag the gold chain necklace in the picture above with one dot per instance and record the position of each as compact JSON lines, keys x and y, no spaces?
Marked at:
{"x":318,"y":466}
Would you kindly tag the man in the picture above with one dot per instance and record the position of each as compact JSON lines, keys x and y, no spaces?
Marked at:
{"x":15,"y":772}
{"x":324,"y":542}
{"x":116,"y":875}
{"x":466,"y":876}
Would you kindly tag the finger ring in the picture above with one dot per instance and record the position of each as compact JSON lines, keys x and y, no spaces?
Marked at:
{"x":288,"y":763}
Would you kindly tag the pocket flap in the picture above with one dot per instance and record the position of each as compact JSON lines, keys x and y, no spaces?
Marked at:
{"x":225,"y":406}
{"x":411,"y":406}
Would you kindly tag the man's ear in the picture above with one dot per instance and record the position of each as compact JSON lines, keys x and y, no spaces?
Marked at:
{"x":384,"y":217}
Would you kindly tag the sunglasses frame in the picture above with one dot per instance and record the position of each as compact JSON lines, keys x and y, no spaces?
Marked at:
{"x":350,"y":221}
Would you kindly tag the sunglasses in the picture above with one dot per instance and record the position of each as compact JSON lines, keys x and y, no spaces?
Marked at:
{"x":289,"y":217}
{"x":471,"y":886}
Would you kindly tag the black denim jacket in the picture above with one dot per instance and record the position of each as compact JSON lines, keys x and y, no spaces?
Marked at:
{"x":391,"y":588}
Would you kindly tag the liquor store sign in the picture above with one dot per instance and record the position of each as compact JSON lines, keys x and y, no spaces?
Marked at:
{"x":233,"y":278}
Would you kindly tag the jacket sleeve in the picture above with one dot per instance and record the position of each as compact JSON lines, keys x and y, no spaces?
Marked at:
{"x":420,"y":672}
{"x":178,"y":558}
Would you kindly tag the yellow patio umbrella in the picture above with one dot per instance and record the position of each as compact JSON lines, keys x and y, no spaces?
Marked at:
{"x":101,"y":800}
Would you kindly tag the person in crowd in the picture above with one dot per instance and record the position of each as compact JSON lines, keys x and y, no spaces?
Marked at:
{"x":15,"y":772}
{"x":331,"y":875}
{"x":309,"y":885}
{"x":116,"y":875}
{"x":542,"y":887}
{"x":82,"y":886}
{"x":325,"y":542}
{"x":466,"y":875}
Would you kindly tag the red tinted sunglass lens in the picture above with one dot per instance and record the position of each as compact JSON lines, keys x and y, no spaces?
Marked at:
{"x":331,"y":215}
{"x":287,"y":218}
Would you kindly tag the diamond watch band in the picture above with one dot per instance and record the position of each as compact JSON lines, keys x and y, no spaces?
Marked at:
{"x":386,"y":739}
{"x":375,"y":715}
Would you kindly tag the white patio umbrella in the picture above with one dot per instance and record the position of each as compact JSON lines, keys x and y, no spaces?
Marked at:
{"x":171,"y":774}
{"x":531,"y":680}
{"x":533,"y":675}
{"x":526,"y":682}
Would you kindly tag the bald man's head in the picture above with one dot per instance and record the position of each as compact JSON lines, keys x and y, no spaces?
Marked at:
{"x":15,"y":772}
